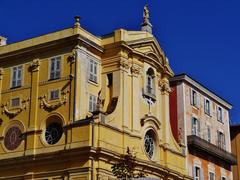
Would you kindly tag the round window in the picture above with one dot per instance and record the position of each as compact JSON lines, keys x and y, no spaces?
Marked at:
{"x":53,"y":133}
{"x":13,"y":138}
{"x":149,"y":144}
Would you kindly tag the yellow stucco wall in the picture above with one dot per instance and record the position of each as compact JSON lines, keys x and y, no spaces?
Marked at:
{"x":90,"y":143}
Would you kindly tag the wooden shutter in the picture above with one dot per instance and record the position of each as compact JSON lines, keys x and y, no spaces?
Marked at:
{"x":191,"y":96}
{"x":198,"y":128}
{"x":198,"y":99}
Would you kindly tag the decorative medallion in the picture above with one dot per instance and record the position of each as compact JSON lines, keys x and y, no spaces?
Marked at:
{"x":13,"y":138}
{"x":53,"y":133}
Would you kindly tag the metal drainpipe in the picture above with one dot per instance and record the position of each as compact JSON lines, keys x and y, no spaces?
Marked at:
{"x":92,"y":159}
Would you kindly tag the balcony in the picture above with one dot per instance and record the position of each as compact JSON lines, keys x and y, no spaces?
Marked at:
{"x":196,"y":143}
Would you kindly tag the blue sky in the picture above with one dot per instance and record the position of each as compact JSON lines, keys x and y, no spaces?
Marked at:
{"x":200,"y":38}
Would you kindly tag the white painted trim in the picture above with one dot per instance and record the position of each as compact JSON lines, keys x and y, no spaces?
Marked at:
{"x":207,"y":92}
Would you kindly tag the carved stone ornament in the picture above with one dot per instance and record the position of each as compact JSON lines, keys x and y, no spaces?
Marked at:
{"x":34,"y":65}
{"x":124,"y":64}
{"x":14,"y":111}
{"x":135,"y":70}
{"x":44,"y":104}
{"x":164,"y":86}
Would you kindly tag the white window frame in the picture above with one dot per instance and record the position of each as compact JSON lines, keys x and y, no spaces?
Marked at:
{"x":194,"y":172}
{"x":93,"y":71}
{"x":209,"y":172}
{"x":55,"y":69}
{"x":196,"y":127}
{"x":220,"y":115}
{"x":56,"y":97}
{"x":207,"y":111}
{"x":92,"y":103}
{"x":18,"y":79}
{"x":194,"y":98}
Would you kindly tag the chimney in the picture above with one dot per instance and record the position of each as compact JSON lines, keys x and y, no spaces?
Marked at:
{"x":3,"y":41}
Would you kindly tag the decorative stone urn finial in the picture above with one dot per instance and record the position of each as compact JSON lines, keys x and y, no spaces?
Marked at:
{"x":77,"y":21}
{"x":146,"y":25}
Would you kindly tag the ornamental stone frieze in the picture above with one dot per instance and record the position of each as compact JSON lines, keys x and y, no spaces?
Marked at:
{"x":11,"y":111}
{"x":48,"y":106}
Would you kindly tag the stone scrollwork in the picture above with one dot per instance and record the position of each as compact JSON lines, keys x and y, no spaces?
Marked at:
{"x":12,"y":112}
{"x":45,"y":104}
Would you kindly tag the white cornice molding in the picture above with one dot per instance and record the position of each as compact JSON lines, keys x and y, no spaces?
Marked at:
{"x":201,"y":88}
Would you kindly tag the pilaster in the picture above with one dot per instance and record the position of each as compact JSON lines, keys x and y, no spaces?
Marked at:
{"x":33,"y":115}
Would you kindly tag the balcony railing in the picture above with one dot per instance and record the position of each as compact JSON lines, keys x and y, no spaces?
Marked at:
{"x":195,"y":142}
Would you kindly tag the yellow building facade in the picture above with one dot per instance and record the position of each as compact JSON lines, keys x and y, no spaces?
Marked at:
{"x":73,"y":103}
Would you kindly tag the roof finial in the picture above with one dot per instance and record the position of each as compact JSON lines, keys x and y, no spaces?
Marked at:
{"x":146,"y":25}
{"x":77,"y":21}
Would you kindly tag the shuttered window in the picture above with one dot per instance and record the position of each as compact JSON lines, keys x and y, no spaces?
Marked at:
{"x":55,"y":68}
{"x":93,"y":71}
{"x":16,"y":76}
{"x":92,"y":103}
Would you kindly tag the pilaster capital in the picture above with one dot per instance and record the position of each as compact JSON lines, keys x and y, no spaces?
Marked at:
{"x":34,"y":66}
{"x":1,"y":73}
{"x":124,"y":64}
{"x":164,"y":86}
{"x":135,"y":70}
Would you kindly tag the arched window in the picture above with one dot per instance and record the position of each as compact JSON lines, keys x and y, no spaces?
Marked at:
{"x":150,"y":88}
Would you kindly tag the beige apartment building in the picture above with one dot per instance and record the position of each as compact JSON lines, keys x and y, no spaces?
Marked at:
{"x":200,"y":122}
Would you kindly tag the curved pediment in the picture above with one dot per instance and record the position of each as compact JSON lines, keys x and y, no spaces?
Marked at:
{"x":152,"y":119}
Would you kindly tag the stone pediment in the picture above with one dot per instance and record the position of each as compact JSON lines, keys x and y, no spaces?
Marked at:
{"x":150,"y":48}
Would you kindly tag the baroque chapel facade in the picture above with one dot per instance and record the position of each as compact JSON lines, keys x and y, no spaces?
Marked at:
{"x":73,"y":103}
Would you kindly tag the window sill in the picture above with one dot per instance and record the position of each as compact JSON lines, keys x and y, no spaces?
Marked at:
{"x":93,"y":82}
{"x":52,"y":79}
{"x":220,"y":121}
{"x":208,"y":114}
{"x":149,"y":95}
{"x":15,"y":87}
